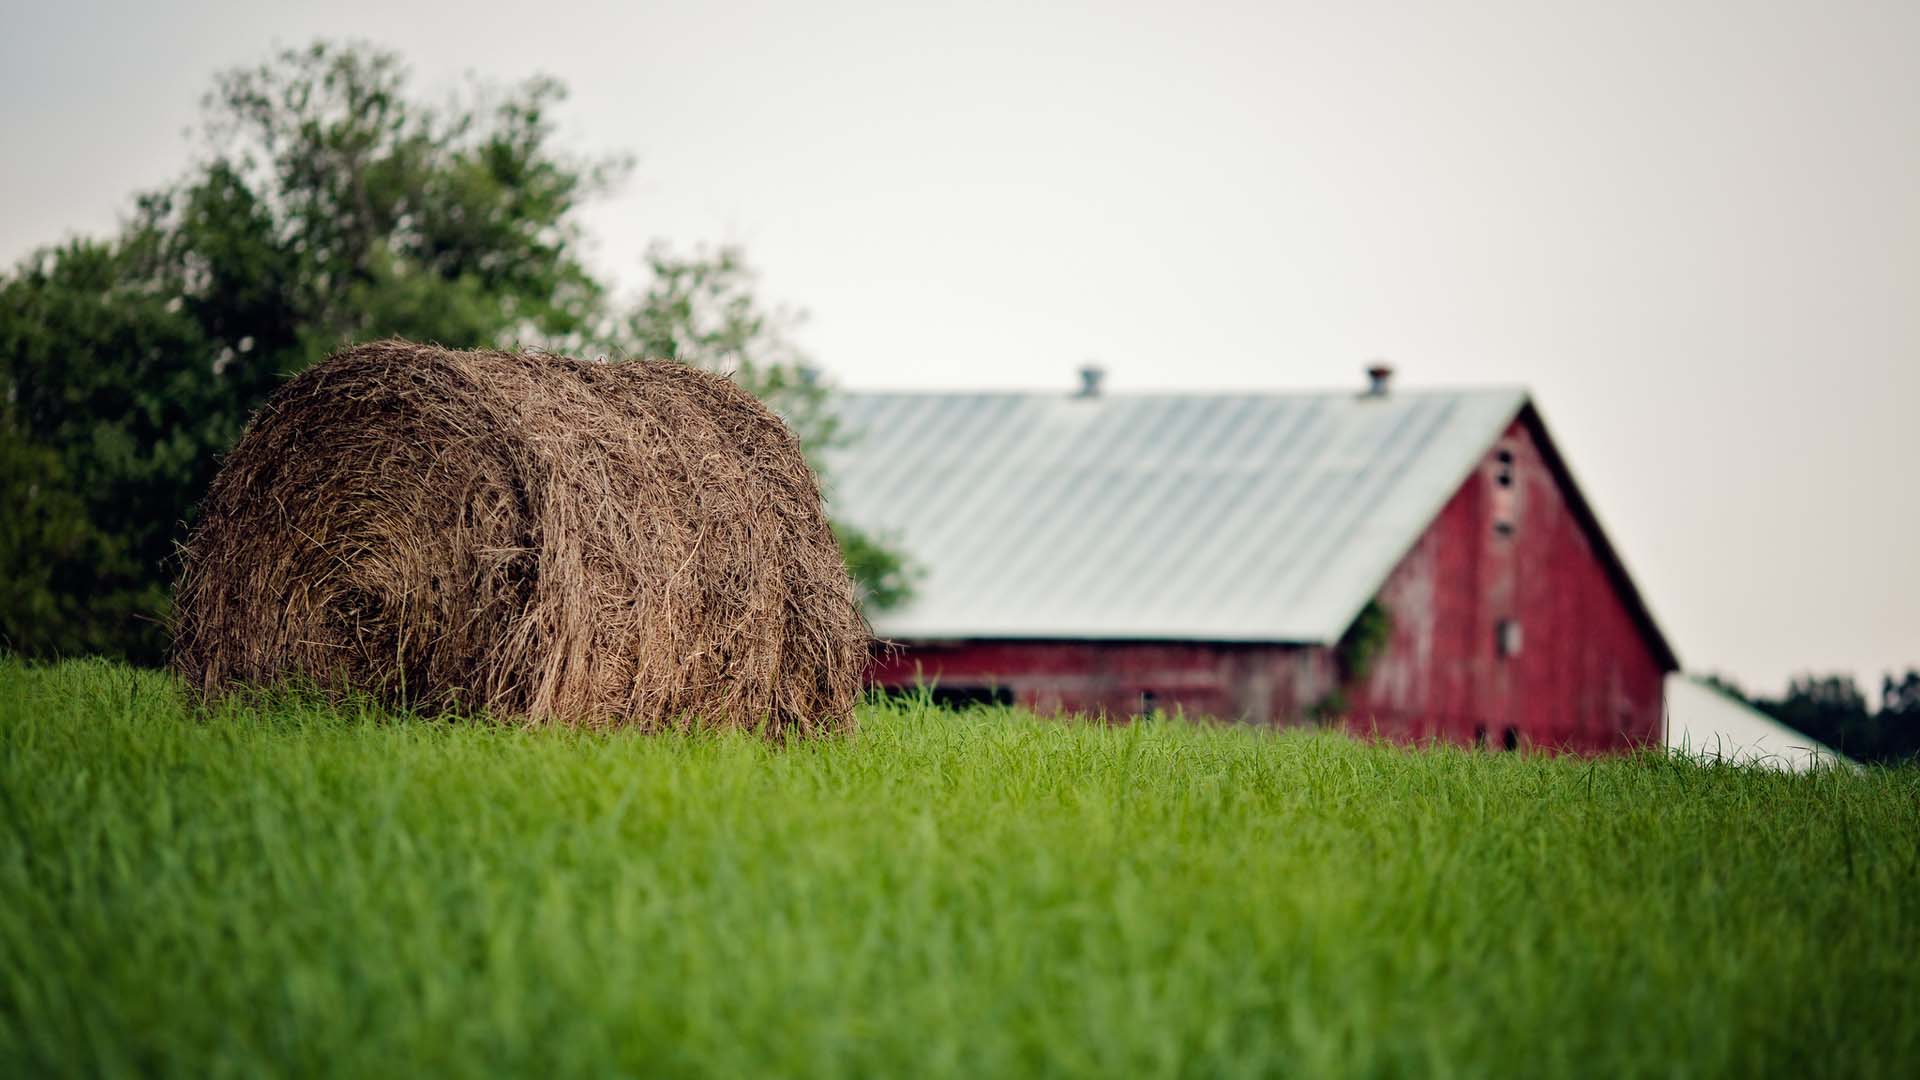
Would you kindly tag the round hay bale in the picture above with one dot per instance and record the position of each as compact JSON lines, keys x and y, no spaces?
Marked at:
{"x":526,"y":535}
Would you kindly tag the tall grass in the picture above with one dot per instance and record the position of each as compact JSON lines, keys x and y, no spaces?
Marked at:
{"x":295,"y":889}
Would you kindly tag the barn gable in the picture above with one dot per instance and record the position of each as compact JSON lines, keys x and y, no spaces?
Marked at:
{"x":1508,"y":622}
{"x":1603,"y":549}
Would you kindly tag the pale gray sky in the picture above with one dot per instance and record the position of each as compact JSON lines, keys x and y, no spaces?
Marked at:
{"x":1692,"y":228}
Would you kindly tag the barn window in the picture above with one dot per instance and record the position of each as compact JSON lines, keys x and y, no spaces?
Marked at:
{"x":953,"y":697}
{"x":1510,"y":739}
{"x":1503,"y":498}
{"x":1506,"y":637}
{"x":959,"y":697}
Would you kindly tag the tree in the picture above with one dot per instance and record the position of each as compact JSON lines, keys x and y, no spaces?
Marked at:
{"x":1726,"y":685}
{"x":336,"y":209}
{"x":1830,"y":709}
{"x":108,"y":435}
{"x":1899,"y":716}
{"x":329,"y":207}
{"x":1833,"y":710}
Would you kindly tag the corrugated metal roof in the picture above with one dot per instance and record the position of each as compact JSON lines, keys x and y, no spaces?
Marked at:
{"x":1223,"y":517}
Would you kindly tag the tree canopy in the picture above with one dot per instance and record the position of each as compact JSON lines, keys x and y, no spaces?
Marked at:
{"x":327,"y":205}
{"x":1834,"y":710}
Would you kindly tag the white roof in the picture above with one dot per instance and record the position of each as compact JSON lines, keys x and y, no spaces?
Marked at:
{"x":1220,"y":517}
{"x":1706,"y":724}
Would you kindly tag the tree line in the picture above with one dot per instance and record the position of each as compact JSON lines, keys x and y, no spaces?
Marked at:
{"x":328,"y":204}
{"x":1834,"y":710}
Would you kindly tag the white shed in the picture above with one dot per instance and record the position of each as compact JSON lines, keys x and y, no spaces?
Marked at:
{"x":1704,"y":723}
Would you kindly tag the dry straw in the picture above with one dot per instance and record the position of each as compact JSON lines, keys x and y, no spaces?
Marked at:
{"x":636,"y":543}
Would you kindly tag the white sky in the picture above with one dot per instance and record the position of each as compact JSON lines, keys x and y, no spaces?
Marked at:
{"x":1693,"y":229}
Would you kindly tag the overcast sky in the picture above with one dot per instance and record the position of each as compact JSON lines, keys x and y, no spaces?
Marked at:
{"x":1692,"y":229}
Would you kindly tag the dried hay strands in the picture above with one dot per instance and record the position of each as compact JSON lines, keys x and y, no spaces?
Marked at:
{"x":638,"y":543}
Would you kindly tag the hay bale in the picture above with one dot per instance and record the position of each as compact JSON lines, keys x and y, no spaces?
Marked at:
{"x":637,"y":543}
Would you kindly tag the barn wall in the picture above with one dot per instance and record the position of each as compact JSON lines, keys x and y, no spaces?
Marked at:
{"x":1587,"y":677}
{"x":1258,"y":682}
{"x":1584,"y":678}
{"x":1431,"y":679}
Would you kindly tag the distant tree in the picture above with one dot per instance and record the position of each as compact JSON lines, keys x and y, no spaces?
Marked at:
{"x":1899,"y":717}
{"x":1726,"y":685}
{"x":112,"y":419}
{"x":1830,"y":709}
{"x":45,"y":539}
{"x":327,"y":207}
{"x":1833,"y":710}
{"x":1901,"y":698}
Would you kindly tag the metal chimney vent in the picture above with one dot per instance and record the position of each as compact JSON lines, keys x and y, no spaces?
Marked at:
{"x":1379,"y":377}
{"x":1090,"y":378}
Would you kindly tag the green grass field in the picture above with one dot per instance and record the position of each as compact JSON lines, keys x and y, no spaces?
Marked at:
{"x":295,"y":889}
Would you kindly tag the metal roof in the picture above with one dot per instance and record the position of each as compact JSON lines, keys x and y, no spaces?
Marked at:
{"x":1706,"y":724}
{"x":1219,"y":517}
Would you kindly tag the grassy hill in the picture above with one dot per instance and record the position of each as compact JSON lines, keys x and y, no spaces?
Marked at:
{"x":297,"y":889}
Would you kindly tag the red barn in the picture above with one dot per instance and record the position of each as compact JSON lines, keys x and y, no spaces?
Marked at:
{"x":1415,"y":564}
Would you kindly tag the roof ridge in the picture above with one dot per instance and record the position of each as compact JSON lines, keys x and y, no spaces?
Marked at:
{"x":1186,"y":392}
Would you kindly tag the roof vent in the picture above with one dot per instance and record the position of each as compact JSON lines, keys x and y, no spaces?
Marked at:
{"x":1379,"y":377}
{"x":1090,"y":378}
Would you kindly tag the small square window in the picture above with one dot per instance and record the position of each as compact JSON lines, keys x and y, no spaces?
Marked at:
{"x":1506,"y":635}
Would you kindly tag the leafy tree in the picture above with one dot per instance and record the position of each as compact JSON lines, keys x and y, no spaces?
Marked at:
{"x":1829,"y":708}
{"x":337,"y":209}
{"x":1899,"y":716}
{"x":328,"y":207}
{"x":110,"y":426}
{"x":1901,"y":698}
{"x":44,"y":536}
{"x":1726,"y":685}
{"x":1833,"y":710}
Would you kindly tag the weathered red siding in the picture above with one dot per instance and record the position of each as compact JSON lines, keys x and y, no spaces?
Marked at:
{"x":1118,"y":678}
{"x":1586,"y":676}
